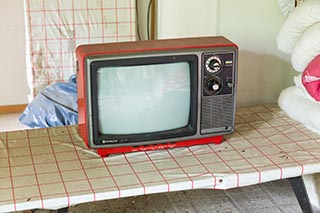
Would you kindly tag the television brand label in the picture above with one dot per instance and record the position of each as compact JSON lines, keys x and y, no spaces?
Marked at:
{"x":110,"y":141}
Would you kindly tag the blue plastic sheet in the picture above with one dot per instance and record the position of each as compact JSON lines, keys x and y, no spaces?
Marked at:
{"x":56,"y":105}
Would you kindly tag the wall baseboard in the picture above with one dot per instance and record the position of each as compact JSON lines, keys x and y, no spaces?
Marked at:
{"x":12,"y":108}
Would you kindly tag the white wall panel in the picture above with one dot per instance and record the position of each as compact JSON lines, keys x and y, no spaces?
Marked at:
{"x":13,"y":77}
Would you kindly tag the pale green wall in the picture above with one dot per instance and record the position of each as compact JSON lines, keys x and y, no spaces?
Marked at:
{"x":263,"y":70}
{"x":252,"y":24}
{"x":184,"y":18}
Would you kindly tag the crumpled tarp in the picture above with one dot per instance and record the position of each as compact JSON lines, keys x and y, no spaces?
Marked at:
{"x":56,"y":105}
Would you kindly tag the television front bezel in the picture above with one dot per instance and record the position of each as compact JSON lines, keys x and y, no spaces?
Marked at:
{"x":111,"y":140}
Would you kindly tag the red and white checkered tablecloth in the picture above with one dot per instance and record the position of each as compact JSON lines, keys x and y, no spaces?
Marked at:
{"x":52,"y":168}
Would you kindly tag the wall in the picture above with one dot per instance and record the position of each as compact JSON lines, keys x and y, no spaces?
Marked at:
{"x":13,"y":80}
{"x":181,"y":18}
{"x":263,"y":70}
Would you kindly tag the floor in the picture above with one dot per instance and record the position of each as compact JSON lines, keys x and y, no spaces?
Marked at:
{"x":10,"y":122}
{"x":276,"y":196}
{"x":269,"y":197}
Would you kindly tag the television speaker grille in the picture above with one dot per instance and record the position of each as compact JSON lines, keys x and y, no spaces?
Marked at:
{"x":217,"y":114}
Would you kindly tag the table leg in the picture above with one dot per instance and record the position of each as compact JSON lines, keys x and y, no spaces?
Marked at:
{"x":301,"y":194}
{"x":63,"y":210}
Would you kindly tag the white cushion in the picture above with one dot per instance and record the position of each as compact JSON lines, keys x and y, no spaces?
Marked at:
{"x":286,"y":6}
{"x":302,"y":17}
{"x":297,"y":106}
{"x":306,"y":48}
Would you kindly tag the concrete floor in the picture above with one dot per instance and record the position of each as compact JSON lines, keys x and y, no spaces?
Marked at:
{"x":271,"y":197}
{"x":10,"y":122}
{"x":268,"y":197}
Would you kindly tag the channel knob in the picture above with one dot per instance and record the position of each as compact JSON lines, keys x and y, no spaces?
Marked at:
{"x":214,"y":64}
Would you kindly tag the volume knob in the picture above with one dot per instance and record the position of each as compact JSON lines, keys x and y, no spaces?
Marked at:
{"x":213,"y":85}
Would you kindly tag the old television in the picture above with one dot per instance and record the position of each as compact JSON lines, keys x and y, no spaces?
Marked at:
{"x":154,"y":94}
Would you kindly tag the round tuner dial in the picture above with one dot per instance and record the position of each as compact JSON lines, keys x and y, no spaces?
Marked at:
{"x":214,"y":64}
{"x":213,"y":85}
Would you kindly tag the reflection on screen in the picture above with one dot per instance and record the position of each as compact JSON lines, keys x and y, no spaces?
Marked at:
{"x":144,"y":98}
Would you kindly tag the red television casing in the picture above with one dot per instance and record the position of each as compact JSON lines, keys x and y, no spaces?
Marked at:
{"x":149,"y":46}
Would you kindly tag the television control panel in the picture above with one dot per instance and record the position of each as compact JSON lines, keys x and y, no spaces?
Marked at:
{"x":218,"y":92}
{"x":218,"y":75}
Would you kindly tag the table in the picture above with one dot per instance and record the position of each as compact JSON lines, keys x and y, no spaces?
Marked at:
{"x":52,"y":168}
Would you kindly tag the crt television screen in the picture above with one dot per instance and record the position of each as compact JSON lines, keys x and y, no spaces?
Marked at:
{"x":143,"y":98}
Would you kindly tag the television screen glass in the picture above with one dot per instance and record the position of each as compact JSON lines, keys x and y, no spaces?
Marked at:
{"x":143,"y":98}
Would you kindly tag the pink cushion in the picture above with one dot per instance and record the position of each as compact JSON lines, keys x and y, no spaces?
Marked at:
{"x":311,"y":78}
